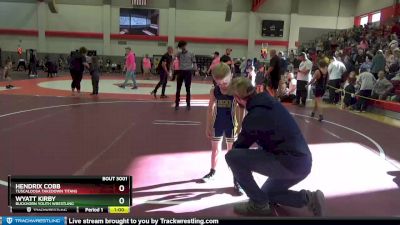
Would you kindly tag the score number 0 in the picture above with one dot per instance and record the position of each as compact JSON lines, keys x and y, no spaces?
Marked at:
{"x":121,"y":200}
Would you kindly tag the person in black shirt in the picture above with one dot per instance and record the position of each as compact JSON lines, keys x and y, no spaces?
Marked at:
{"x":227,"y":58}
{"x":273,"y":72}
{"x":77,"y":66}
{"x":164,"y":67}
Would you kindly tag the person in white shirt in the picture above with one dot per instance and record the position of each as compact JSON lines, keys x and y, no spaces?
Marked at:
{"x":290,"y":94}
{"x":303,"y":76}
{"x":366,"y":81}
{"x":335,"y":70}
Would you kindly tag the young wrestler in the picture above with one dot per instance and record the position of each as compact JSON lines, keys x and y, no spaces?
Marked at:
{"x":320,"y":80}
{"x":223,"y":117}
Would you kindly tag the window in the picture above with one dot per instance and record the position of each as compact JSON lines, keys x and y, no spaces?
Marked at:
{"x":139,"y":21}
{"x":376,"y":17}
{"x":364,"y":20}
{"x":124,"y":20}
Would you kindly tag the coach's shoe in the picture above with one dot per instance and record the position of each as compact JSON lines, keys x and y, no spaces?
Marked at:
{"x":251,"y":208}
{"x":134,"y":87}
{"x":312,"y":114}
{"x":321,"y":117}
{"x":237,"y":188}
{"x":316,"y":202}
{"x":164,"y":96}
{"x":153,"y":93}
{"x":209,"y":177}
{"x":176,"y":107}
{"x":188,"y":107}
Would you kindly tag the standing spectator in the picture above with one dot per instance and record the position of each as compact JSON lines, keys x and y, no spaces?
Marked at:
{"x":146,"y":67}
{"x":164,"y":66}
{"x":216,"y":60}
{"x":366,"y":81}
{"x":303,"y":76}
{"x":130,"y":68}
{"x":21,"y":62}
{"x":95,"y":74}
{"x":283,"y":63}
{"x":32,"y":63}
{"x":349,"y":91}
{"x":382,"y":87}
{"x":273,"y":73}
{"x":260,"y":79}
{"x":227,"y":57}
{"x":187,"y":64}
{"x":77,"y":66}
{"x":175,"y":68}
{"x":378,"y":63}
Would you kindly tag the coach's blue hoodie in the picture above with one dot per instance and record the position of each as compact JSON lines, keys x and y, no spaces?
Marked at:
{"x":269,"y":124}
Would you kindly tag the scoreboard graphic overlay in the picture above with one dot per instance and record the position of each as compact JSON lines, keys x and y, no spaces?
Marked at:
{"x":76,"y":194}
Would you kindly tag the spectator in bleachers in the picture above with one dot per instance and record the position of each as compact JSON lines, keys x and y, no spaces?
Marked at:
{"x":378,"y":63}
{"x":393,"y":42}
{"x":364,"y":44}
{"x":350,"y":90}
{"x":366,"y":82}
{"x":359,"y":58}
{"x":396,"y":28}
{"x":336,"y":69}
{"x":366,"y":66}
{"x":382,"y":87}
{"x":303,"y":76}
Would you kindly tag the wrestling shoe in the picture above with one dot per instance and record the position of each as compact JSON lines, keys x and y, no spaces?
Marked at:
{"x":188,"y":108}
{"x":251,"y":208}
{"x":135,"y":87}
{"x":312,"y":114}
{"x":209,"y":177}
{"x":176,"y":107}
{"x":321,"y":117}
{"x":316,"y":202}
{"x":163,"y":96}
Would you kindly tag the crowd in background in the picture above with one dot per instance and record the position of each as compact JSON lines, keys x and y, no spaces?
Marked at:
{"x":365,"y":61}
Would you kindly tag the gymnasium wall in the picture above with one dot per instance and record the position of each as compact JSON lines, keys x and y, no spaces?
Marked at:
{"x":366,"y":6}
{"x":199,"y":19}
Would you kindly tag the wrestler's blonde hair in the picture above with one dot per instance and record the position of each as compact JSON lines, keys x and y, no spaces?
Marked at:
{"x":242,"y":87}
{"x":221,"y":71}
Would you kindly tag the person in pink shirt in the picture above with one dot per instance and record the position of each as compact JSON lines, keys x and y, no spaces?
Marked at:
{"x":175,"y":68}
{"x":214,"y":63}
{"x":130,"y":68}
{"x":146,"y":67}
{"x":364,"y":44}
